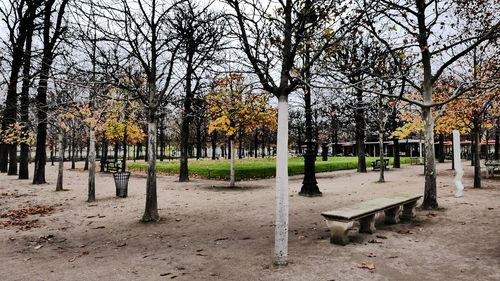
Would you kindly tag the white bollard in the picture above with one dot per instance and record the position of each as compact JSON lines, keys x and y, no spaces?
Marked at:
{"x":459,"y":170}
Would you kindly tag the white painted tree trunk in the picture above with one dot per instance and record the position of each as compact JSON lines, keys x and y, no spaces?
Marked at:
{"x":381,"y":148}
{"x":233,"y":159}
{"x":281,"y":228}
{"x":92,"y":164}
{"x":151,"y":211}
{"x":420,"y":146}
{"x":459,"y":170}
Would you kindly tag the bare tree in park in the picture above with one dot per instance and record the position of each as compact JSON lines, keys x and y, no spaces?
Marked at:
{"x":51,"y":36}
{"x":143,"y":64}
{"x":271,"y":34}
{"x":86,"y":28}
{"x":200,"y":32}
{"x":428,"y":32}
{"x":19,"y":17}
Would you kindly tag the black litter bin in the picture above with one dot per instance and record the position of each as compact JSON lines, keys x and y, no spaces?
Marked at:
{"x":121,"y":182}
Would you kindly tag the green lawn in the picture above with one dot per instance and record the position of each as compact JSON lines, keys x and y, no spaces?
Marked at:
{"x":253,"y":168}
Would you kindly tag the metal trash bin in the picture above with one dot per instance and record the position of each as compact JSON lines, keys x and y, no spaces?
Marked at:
{"x":121,"y":183}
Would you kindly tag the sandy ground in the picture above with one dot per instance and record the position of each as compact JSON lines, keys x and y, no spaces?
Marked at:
{"x":213,"y":233}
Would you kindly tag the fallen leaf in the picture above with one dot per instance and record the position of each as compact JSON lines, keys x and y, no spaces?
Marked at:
{"x":72,"y":259}
{"x":366,"y":265}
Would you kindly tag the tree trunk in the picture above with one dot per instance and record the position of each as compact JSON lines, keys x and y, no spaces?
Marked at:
{"x":213,"y":139}
{"x":496,"y":154}
{"x":10,"y":112}
{"x":60,"y":170}
{"x":115,"y":151}
{"x":360,"y":132}
{"x":4,"y":157}
{"x":42,"y":108}
{"x":198,"y":142}
{"x":124,"y":142}
{"x":453,"y":153}
{"x":441,"y":148}
{"x":86,"y":167}
{"x":24,"y":110}
{"x":381,"y":148}
{"x":233,"y":159}
{"x":186,"y":120}
{"x":240,"y":147}
{"x":92,"y":164}
{"x":397,"y":157}
{"x":263,"y":145}
{"x":256,"y":143}
{"x":104,"y":155}
{"x":151,"y":210}
{"x":430,"y":191}
{"x":73,"y":155}
{"x":477,"y":155}
{"x":281,"y":228}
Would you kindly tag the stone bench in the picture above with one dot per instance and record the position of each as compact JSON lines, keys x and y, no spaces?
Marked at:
{"x":339,"y":221}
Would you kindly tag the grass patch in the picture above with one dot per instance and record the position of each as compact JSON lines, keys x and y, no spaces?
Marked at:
{"x":253,"y":168}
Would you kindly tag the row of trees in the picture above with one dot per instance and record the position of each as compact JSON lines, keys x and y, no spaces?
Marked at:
{"x":360,"y":58}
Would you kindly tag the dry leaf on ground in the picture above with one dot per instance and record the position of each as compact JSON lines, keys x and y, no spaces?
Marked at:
{"x":366,"y":265}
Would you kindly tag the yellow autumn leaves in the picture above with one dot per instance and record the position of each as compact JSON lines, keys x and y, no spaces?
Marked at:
{"x":235,"y":107}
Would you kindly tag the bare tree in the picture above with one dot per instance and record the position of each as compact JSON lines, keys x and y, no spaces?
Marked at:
{"x":142,"y":62}
{"x":427,"y":32}
{"x":51,"y":34}
{"x":271,"y":34}
{"x":19,"y":17}
{"x":200,"y":32}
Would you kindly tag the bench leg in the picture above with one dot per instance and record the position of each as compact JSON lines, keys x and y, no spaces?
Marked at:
{"x":338,"y":231}
{"x":409,"y":211}
{"x":367,"y":224}
{"x":392,"y":215}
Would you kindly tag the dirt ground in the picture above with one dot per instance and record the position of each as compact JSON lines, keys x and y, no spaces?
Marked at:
{"x":212,"y":233}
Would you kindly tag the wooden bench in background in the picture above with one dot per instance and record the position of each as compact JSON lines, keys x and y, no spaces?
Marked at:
{"x":416,"y":160}
{"x":339,"y":221}
{"x":112,"y":166}
{"x":376,"y":164}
